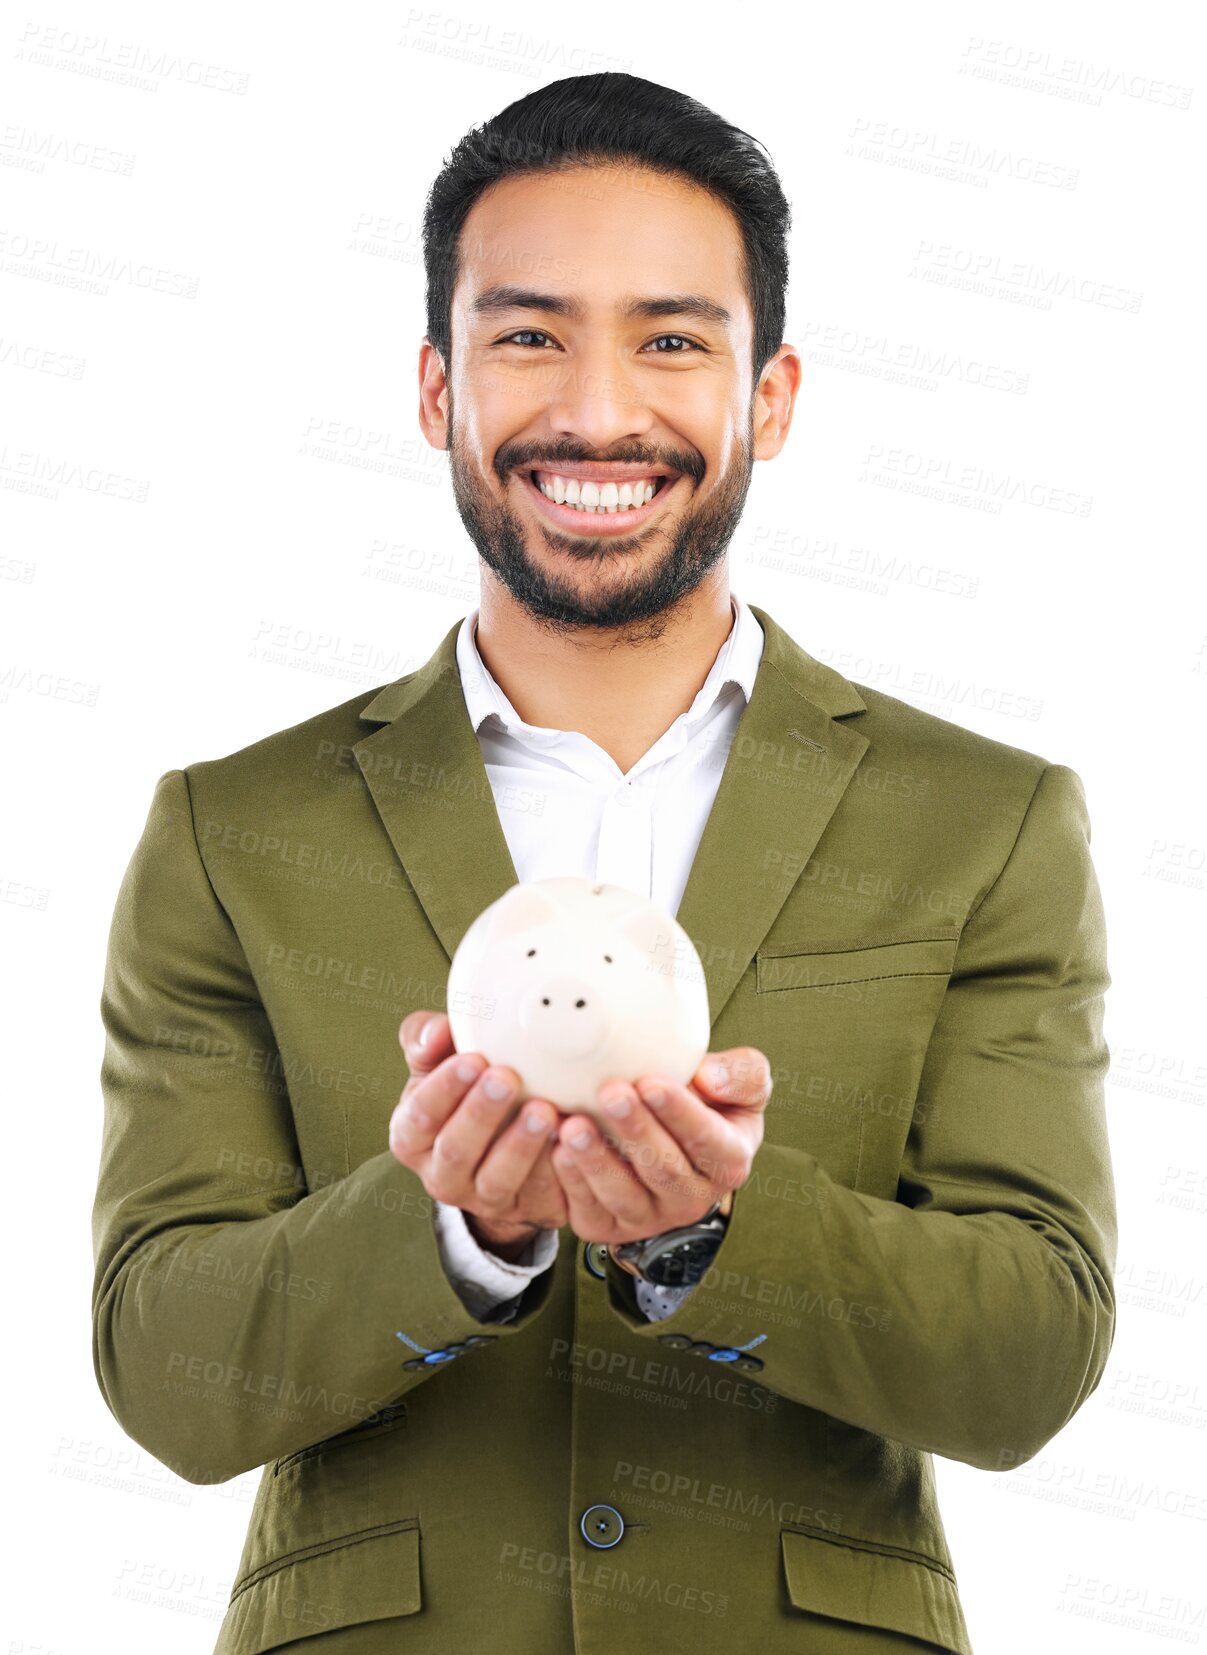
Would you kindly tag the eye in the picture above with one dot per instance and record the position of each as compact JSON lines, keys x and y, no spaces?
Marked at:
{"x":683,"y":340}
{"x":529,"y":332}
{"x":539,"y":333}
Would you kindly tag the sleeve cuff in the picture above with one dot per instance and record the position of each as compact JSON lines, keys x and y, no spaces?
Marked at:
{"x":656,"y":1302}
{"x":482,"y":1280}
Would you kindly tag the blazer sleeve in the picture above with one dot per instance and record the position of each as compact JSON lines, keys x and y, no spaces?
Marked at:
{"x":236,"y":1314}
{"x":972,"y":1315}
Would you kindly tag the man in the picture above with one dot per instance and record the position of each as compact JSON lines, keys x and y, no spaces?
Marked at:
{"x":680,"y":1385}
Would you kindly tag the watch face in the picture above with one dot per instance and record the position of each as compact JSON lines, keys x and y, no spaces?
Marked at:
{"x":682,"y":1263}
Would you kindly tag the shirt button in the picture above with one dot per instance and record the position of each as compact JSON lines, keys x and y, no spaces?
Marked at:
{"x":602,"y":1526}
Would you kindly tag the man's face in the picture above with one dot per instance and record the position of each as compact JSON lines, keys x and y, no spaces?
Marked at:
{"x":663,"y":398}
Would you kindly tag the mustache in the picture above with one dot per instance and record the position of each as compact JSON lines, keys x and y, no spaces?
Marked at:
{"x":514,"y":457}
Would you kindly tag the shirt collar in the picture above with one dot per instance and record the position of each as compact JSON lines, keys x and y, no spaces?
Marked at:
{"x":737,"y":663}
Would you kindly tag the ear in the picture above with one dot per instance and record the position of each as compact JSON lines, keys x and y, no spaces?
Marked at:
{"x":522,"y":908}
{"x":649,"y":933}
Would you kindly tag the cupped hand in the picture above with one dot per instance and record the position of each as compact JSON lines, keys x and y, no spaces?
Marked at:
{"x":659,"y":1165}
{"x":446,"y":1128}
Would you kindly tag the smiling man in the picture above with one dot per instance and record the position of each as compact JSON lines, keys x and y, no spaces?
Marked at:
{"x":518,"y":1382}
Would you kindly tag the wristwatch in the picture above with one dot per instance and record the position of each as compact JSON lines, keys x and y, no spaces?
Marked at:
{"x":677,"y":1258}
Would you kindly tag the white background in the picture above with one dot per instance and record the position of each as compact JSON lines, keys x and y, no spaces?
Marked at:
{"x":219,"y":517}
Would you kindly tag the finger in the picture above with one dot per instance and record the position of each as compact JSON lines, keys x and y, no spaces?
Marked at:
{"x":740,"y":1076}
{"x":512,"y":1162}
{"x":426,"y":1039}
{"x":466,"y":1135}
{"x":655,"y":1155}
{"x":428,"y":1102}
{"x":720,"y":1150}
{"x":543,"y":1193}
{"x":586,"y":1214}
{"x":611,"y":1180}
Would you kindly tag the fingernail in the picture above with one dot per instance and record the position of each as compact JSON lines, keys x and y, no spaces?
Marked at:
{"x":425,"y":1033}
{"x":535,"y":1122}
{"x":497,"y":1087}
{"x":580,"y":1140}
{"x":718,"y":1074}
{"x":617,"y":1104}
{"x":467,"y":1068}
{"x":654,"y":1096}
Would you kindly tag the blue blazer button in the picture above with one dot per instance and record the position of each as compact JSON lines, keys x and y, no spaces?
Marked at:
{"x":724,"y":1354}
{"x":602,"y":1526}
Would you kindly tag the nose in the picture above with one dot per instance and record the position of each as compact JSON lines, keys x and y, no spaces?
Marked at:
{"x":597,"y":403}
{"x":564,"y":1016}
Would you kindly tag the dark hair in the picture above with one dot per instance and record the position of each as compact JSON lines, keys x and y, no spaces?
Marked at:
{"x":615,"y":119}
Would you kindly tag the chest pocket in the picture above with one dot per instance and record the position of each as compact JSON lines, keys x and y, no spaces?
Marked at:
{"x":846,"y":1031}
{"x":782,"y":966}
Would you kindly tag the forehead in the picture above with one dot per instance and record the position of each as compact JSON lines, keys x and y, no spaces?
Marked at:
{"x":602,"y":235}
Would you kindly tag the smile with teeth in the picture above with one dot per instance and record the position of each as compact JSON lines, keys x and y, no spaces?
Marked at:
{"x":597,"y":497}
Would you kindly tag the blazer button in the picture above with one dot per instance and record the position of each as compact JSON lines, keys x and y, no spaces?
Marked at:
{"x":434,"y":1356}
{"x":415,"y":1362}
{"x":676,"y":1341}
{"x":476,"y":1339}
{"x":701,"y":1347}
{"x":748,"y":1364}
{"x":602,"y":1526}
{"x":594,"y":1255}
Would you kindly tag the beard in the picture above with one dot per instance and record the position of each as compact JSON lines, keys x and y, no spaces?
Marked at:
{"x":665,"y":561}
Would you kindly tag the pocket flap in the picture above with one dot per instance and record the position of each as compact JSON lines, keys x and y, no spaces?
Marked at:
{"x":370,"y":1575}
{"x":852,"y":1580}
{"x":782,"y":966}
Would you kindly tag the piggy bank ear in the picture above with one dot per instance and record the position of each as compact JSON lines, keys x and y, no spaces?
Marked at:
{"x":522,"y":908}
{"x":648,"y":931}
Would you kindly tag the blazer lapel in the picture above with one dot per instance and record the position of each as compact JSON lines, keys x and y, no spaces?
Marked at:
{"x":788,"y":767}
{"x":425,"y":771}
{"x":789,"y":764}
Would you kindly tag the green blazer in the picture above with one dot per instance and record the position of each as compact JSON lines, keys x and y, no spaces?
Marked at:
{"x":902,"y":914}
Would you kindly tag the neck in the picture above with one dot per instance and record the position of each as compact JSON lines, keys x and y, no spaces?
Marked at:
{"x":622,"y":687}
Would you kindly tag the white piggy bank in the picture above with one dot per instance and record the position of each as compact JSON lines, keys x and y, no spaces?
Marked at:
{"x":571,"y":983}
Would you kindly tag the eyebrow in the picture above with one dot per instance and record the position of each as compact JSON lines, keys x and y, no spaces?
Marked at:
{"x":504,"y":297}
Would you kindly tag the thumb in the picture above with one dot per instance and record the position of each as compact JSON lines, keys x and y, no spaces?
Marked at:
{"x":740,"y":1074}
{"x":426,"y":1038}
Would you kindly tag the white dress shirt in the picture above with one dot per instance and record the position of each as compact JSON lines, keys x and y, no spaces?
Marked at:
{"x":566,"y":808}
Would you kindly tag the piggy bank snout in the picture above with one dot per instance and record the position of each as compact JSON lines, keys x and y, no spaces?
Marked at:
{"x":566,"y":1015}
